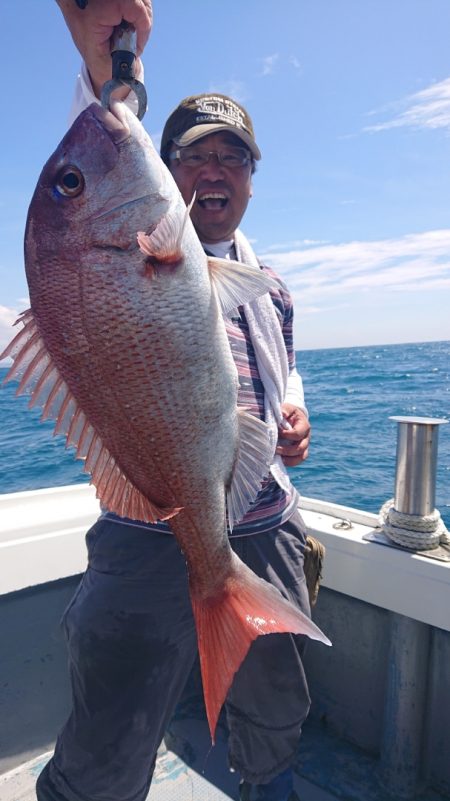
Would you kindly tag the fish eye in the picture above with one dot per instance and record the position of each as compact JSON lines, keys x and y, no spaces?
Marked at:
{"x":70,"y":181}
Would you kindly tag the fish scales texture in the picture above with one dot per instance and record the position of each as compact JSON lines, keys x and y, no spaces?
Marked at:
{"x":138,"y":337}
{"x":146,"y":386}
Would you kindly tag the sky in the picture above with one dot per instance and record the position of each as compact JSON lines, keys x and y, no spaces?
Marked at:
{"x":350,"y":101}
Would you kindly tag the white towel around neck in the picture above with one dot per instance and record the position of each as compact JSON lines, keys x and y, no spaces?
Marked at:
{"x":270,"y":353}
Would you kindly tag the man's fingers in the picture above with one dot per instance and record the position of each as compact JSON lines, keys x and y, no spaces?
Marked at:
{"x":292,"y":450}
{"x":295,"y":434}
{"x":293,"y":461}
{"x":144,"y":26}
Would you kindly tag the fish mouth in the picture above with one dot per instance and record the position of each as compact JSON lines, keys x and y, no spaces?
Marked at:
{"x":148,"y":186}
{"x":113,"y":120}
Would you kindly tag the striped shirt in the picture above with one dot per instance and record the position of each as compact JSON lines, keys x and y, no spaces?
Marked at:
{"x":272,"y":505}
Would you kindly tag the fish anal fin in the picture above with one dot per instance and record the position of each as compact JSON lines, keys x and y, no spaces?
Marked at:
{"x":252,"y":465}
{"x":247,"y":608}
{"x":120,"y":496}
{"x":237,"y":283}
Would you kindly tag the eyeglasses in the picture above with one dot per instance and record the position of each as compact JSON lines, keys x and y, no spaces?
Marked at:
{"x":227,"y":157}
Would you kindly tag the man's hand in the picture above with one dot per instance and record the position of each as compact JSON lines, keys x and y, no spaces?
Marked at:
{"x":293,"y":443}
{"x":92,"y":27}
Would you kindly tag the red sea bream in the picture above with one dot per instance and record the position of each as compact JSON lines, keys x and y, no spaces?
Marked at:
{"x":125,"y":346}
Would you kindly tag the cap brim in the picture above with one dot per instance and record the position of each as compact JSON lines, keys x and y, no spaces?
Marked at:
{"x":199,"y":131}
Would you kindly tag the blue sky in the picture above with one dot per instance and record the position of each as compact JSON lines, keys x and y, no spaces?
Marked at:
{"x":351,"y":105}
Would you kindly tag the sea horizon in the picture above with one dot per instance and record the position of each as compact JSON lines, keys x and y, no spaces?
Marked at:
{"x":375,"y":345}
{"x":351,"y":394}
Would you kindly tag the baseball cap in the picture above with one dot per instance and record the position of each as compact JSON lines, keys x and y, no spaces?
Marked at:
{"x":199,"y":115}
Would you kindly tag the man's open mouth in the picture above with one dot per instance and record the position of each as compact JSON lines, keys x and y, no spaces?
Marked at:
{"x":212,"y":200}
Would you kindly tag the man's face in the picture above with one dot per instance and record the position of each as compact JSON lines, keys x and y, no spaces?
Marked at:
{"x":215,"y":218}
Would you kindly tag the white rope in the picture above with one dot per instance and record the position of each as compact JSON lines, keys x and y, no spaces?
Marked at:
{"x":418,"y":532}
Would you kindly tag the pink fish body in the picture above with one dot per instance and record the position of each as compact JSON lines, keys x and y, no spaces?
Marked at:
{"x":125,"y":346}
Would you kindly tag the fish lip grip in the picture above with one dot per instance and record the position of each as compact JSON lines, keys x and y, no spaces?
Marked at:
{"x":123,"y":54}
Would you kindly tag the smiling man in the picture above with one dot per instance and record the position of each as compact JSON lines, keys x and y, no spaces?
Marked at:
{"x":131,"y":641}
{"x":209,"y":146}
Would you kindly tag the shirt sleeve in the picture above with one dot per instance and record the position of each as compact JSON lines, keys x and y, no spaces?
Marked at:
{"x":85,"y":95}
{"x":294,"y":391}
{"x":294,"y":388}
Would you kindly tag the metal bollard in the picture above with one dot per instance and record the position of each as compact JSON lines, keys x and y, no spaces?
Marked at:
{"x":407,"y":679}
{"x":415,"y":475}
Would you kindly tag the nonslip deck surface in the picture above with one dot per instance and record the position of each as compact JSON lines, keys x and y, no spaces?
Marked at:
{"x":189,"y":769}
{"x":173,"y":780}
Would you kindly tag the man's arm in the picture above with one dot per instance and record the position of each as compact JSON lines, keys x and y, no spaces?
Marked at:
{"x":91,"y":29}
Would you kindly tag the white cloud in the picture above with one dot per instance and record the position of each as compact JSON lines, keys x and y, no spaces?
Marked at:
{"x":268,"y":64}
{"x":295,"y":63}
{"x":429,"y":108}
{"x":368,"y":292}
{"x":412,"y":263}
{"x":296,"y":243}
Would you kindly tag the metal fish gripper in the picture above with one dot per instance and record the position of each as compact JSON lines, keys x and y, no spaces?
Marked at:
{"x":123,"y":54}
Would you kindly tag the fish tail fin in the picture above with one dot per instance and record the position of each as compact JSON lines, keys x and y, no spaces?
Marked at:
{"x":227,"y":625}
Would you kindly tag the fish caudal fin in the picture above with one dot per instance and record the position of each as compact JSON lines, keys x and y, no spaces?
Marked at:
{"x":227,"y":625}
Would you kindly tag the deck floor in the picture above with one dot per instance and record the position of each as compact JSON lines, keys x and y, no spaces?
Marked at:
{"x":173,"y":781}
{"x":189,"y":769}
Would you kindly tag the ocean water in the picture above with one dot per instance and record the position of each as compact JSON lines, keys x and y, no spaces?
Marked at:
{"x":350,"y":392}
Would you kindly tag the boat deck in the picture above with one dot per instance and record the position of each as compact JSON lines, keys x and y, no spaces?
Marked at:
{"x":189,"y":769}
{"x":174,"y":780}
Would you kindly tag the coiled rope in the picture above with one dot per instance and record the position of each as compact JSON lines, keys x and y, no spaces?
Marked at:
{"x":417,"y":532}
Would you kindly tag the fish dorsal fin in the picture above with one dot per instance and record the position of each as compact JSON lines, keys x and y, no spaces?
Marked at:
{"x":38,"y":375}
{"x":252,"y":465}
{"x":237,"y":283}
{"x":163,"y":245}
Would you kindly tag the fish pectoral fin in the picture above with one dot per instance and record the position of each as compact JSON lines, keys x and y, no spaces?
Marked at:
{"x":252,"y":465}
{"x":246,"y":608}
{"x":37,"y":374}
{"x":237,"y":283}
{"x":163,"y":245}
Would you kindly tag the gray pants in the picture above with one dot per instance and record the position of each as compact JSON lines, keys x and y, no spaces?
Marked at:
{"x":132,"y":643}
